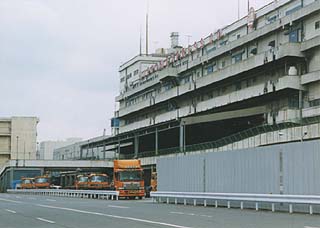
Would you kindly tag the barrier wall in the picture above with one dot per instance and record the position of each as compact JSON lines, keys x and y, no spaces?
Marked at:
{"x":292,"y":168}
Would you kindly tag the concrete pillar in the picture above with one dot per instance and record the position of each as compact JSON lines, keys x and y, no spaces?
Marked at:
{"x":156,"y":143}
{"x":182,"y":138}
{"x":136,"y":146}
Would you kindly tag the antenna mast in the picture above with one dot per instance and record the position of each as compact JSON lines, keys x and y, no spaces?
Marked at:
{"x":147,"y":28}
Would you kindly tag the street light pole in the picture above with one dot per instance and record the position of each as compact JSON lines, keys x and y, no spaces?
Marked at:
{"x":17,"y":150}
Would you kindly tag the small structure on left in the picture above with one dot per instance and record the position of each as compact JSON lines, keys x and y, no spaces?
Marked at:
{"x":18,"y":139}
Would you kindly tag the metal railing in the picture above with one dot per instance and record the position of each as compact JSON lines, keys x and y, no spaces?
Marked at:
{"x":91,"y":194}
{"x":200,"y":198}
{"x":229,"y":139}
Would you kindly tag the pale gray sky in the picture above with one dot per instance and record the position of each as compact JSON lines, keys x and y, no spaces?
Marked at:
{"x":59,"y":58}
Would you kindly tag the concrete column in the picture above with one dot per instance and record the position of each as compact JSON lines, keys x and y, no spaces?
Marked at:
{"x":182,"y":138}
{"x":136,"y":146}
{"x":156,"y":143}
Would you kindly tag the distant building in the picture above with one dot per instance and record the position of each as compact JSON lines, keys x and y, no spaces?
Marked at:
{"x":47,"y":147}
{"x":18,"y":138}
{"x":74,"y":151}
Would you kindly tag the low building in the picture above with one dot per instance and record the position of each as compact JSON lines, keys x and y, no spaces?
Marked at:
{"x":18,"y":138}
{"x":47,"y":147}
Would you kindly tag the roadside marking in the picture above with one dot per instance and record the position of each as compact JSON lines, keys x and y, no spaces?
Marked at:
{"x":114,"y":216}
{"x":12,"y":201}
{"x":13,"y":212}
{"x":51,"y":200}
{"x":191,"y":214}
{"x":45,"y":220}
{"x":115,"y":206}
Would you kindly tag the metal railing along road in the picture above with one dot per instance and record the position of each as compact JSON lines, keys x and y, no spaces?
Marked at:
{"x":199,"y":198}
{"x":92,"y":194}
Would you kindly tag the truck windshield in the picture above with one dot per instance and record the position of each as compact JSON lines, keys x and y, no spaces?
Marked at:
{"x":26,"y":182}
{"x":130,"y":175}
{"x":41,"y":180}
{"x":99,"y":179}
{"x":83,"y":179}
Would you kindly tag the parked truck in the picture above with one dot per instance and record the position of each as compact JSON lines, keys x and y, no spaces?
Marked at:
{"x":27,"y":183}
{"x":42,"y":182}
{"x":99,"y":182}
{"x":128,"y":178}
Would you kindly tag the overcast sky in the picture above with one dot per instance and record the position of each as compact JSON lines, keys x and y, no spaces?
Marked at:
{"x":59,"y":59}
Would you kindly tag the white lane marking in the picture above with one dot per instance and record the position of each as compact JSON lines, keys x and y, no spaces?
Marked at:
{"x":11,"y":211}
{"x":18,"y":197}
{"x":192,"y":214}
{"x":311,"y":227}
{"x":179,"y":213}
{"x":31,"y":198}
{"x":115,"y":206}
{"x":45,"y":220}
{"x":12,"y":201}
{"x":51,"y":200}
{"x":115,"y":216}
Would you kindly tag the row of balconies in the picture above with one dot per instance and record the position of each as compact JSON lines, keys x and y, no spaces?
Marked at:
{"x":288,"y":49}
{"x":307,"y":10}
{"x":286,"y":82}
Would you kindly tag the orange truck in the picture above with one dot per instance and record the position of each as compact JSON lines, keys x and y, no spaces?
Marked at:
{"x":98,"y":181}
{"x":27,"y":183}
{"x":42,"y":182}
{"x":128,"y":178}
{"x":81,"y":182}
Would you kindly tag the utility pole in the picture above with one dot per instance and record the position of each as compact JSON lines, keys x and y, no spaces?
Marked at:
{"x":17,"y":150}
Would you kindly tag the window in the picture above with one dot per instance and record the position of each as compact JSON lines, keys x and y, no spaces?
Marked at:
{"x":317,"y":25}
{"x":294,"y":36}
{"x":129,"y":75}
{"x":237,"y":57}
{"x":121,"y":79}
{"x":136,"y":72}
{"x":210,"y":69}
{"x":293,"y":10}
{"x":238,"y":86}
{"x":272,"y":19}
{"x":238,"y":36}
{"x":223,"y":64}
{"x":315,"y":103}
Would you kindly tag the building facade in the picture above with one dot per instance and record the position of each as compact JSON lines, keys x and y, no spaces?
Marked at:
{"x":18,"y":138}
{"x":47,"y":147}
{"x":248,"y":78}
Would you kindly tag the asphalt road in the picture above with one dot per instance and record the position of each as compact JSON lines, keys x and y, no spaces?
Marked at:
{"x":42,"y":211}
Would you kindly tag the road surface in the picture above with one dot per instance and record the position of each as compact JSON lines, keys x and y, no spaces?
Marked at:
{"x":43,"y":211}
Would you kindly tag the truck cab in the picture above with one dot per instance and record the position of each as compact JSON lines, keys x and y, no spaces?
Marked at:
{"x":42,"y":182}
{"x":98,"y":181}
{"x":82,"y":182}
{"x":128,"y":178}
{"x":27,"y":183}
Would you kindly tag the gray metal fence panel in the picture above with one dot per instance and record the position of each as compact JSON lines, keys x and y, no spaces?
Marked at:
{"x":242,"y":171}
{"x":180,"y":173}
{"x":254,"y":170}
{"x":302,"y":168}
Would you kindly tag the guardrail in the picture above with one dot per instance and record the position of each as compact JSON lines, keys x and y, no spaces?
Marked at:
{"x":205,"y":199}
{"x":92,"y":194}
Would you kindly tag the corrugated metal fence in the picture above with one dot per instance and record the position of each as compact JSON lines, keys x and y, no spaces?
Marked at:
{"x":292,"y":168}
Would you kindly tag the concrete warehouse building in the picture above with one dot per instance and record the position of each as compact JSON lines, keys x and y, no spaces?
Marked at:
{"x":18,"y":138}
{"x":250,"y":79}
{"x":47,"y":147}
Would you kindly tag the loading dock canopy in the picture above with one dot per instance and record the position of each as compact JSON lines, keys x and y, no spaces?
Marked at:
{"x":224,"y":115}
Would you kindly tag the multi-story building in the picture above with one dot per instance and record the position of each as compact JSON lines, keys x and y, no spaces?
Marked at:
{"x":263,"y":69}
{"x":18,"y":138}
{"x":47,"y":147}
